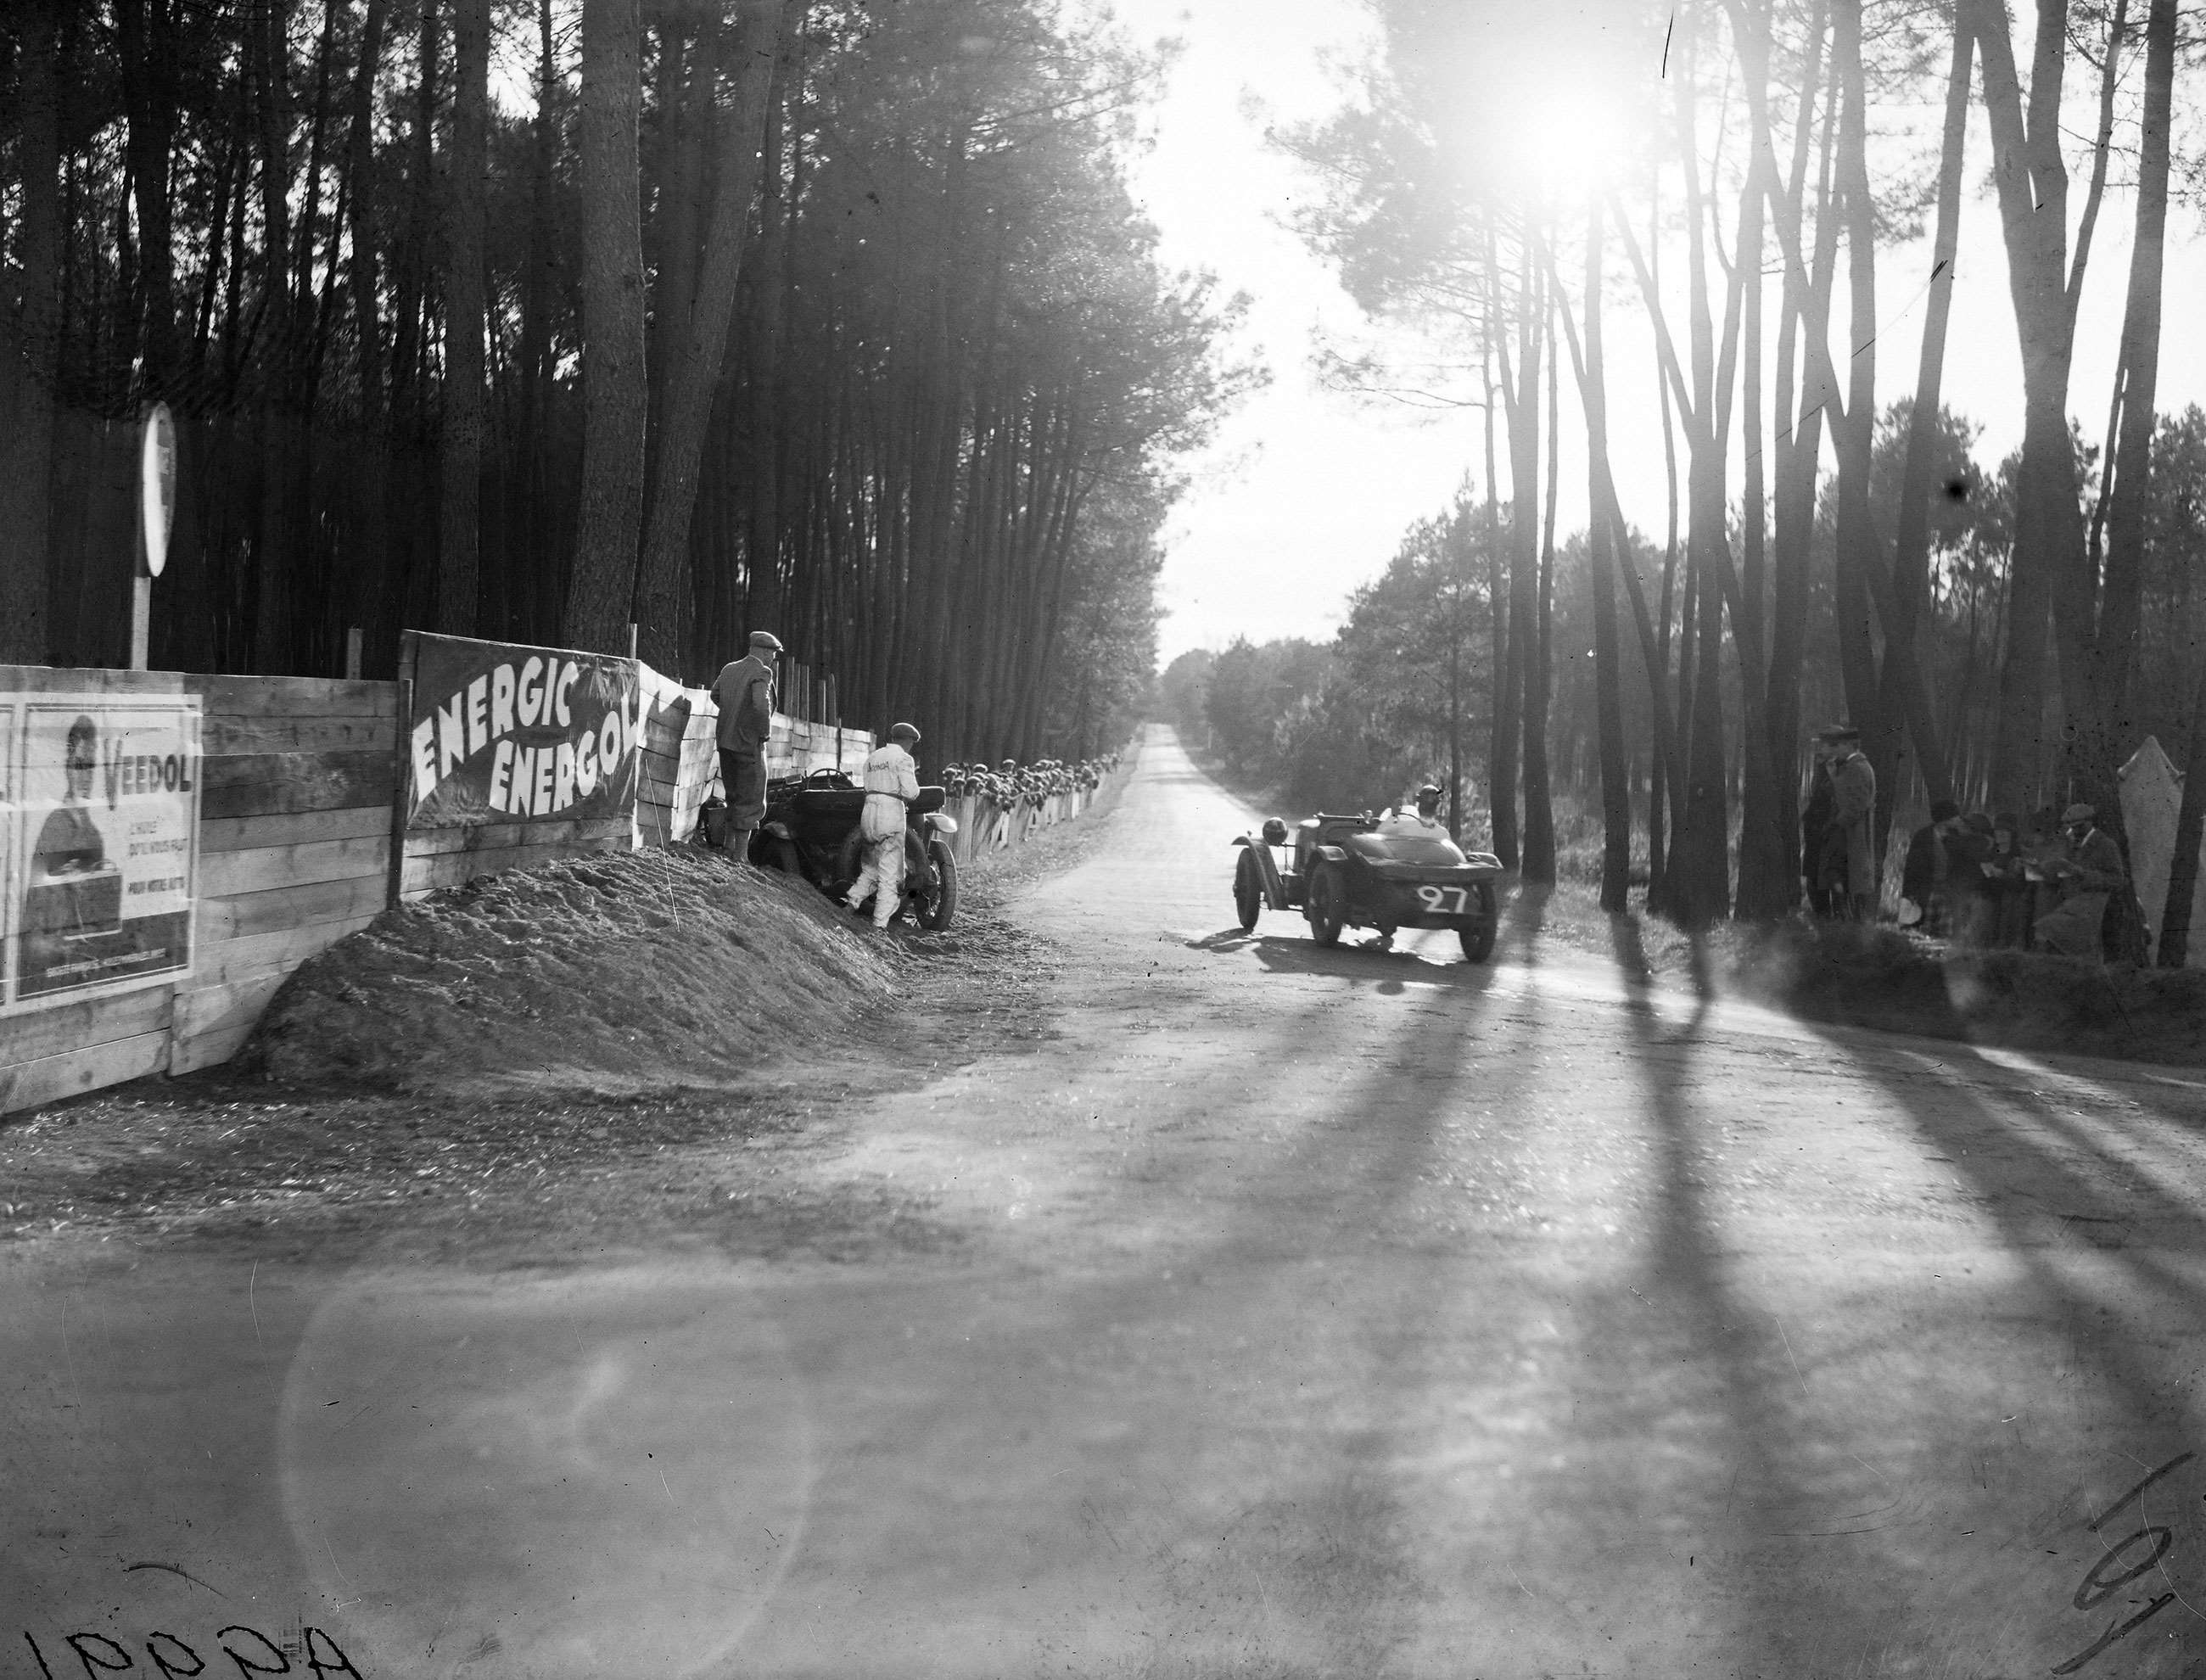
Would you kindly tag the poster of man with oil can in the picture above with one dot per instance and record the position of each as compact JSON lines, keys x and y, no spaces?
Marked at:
{"x":103,"y":825}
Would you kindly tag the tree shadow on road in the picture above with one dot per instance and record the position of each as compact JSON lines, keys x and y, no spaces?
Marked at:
{"x":1736,"y":1372}
{"x":2109,"y":1257}
{"x":1629,"y":947}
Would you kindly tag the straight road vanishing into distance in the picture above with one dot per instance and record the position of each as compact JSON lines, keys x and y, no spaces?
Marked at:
{"x":1318,"y":1313}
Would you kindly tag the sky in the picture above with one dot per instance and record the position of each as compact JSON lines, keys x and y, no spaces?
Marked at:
{"x":1305,"y":494}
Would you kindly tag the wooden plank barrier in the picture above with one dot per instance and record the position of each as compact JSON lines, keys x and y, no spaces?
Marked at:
{"x":297,"y":777}
{"x":679,"y":765}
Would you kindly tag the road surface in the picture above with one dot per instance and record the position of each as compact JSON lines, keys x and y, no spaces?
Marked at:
{"x":1310,"y":1313}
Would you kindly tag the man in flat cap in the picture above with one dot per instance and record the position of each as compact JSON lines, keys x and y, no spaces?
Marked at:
{"x":2088,"y":873}
{"x":891,"y":785}
{"x":744,"y":693}
{"x":1853,"y":798}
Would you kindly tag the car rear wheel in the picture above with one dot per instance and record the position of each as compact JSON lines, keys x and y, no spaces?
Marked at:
{"x":936,"y":908}
{"x":1477,"y":942}
{"x":1328,"y":906}
{"x":1248,"y":891}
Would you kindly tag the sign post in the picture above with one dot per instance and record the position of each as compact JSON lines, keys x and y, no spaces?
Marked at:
{"x":157,"y":516}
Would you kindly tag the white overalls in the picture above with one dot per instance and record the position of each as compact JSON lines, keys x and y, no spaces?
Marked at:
{"x":892,"y":778}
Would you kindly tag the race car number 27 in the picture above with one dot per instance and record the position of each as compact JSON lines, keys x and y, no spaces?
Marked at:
{"x":1443,"y":901}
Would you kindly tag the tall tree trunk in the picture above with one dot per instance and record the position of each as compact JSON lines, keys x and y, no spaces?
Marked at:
{"x":145,"y":36}
{"x":1901,"y":691}
{"x":275,"y":561}
{"x":664,"y":594}
{"x":1856,"y":544}
{"x":1667,"y":787}
{"x":2189,"y":832}
{"x":30,"y":346}
{"x":459,"y":534}
{"x":365,"y":602}
{"x":1590,"y":371}
{"x":1501,"y":762}
{"x":2113,"y":724}
{"x":1602,"y":540}
{"x":1535,"y":557}
{"x":536,"y":587}
{"x":2032,"y":182}
{"x":602,"y":586}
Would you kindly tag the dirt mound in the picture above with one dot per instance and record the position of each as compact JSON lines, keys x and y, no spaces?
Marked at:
{"x":1876,"y":977}
{"x":652,"y":967}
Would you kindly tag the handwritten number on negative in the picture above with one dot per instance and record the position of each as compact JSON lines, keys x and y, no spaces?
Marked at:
{"x":2098,"y":1586}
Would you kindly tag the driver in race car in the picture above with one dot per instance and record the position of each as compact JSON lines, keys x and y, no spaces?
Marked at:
{"x":1425,"y":819}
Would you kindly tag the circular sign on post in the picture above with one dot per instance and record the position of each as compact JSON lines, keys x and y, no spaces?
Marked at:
{"x":157,"y":486}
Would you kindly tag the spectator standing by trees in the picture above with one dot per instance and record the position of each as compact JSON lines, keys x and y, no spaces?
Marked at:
{"x":2090,"y":871}
{"x":1814,"y":829}
{"x":744,"y":693}
{"x":1853,"y":798}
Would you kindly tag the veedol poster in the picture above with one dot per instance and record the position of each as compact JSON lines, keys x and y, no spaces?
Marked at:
{"x":101,"y":834}
{"x":501,"y":734}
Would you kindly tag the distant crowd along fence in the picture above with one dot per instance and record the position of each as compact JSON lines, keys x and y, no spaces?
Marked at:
{"x":172,"y":846}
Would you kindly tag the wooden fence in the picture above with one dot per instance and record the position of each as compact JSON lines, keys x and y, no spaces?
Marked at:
{"x":295,"y":824}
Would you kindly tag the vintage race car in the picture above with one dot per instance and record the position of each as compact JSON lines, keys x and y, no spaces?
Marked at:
{"x":811,"y":829}
{"x":1354,"y":872}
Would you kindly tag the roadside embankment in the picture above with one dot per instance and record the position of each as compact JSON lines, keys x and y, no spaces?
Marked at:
{"x":1891,"y":980}
{"x":2017,"y":1000}
{"x":643,"y":968}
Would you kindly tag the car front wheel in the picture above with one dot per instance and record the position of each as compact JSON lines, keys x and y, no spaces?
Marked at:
{"x":1328,"y":906}
{"x":1248,"y":891}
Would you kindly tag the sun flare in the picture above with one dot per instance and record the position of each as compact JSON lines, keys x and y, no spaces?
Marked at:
{"x":1545,"y":112}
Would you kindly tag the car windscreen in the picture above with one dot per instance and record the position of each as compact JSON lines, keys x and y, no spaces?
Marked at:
{"x":1424,"y":849}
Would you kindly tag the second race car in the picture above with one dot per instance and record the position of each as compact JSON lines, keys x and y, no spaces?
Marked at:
{"x":1343,"y":871}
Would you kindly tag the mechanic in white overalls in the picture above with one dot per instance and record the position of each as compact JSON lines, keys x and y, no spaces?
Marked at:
{"x":892,"y":786}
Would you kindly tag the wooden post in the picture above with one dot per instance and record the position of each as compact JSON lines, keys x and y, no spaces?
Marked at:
{"x":353,"y":637}
{"x":631,"y":641}
{"x":402,"y":791}
{"x":141,"y":616}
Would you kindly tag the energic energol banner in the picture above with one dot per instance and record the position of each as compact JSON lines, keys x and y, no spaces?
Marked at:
{"x":502,"y":734}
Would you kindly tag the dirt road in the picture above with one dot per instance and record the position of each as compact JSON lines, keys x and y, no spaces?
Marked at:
{"x":1293,"y":1313}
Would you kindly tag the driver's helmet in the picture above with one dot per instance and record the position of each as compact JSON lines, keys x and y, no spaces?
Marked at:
{"x":1428,"y":797}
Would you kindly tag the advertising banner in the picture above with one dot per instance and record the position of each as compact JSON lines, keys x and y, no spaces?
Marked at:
{"x":502,"y":734}
{"x":102,"y":835}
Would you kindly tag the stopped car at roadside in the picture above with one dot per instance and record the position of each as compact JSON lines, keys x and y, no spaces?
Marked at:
{"x":811,"y":829}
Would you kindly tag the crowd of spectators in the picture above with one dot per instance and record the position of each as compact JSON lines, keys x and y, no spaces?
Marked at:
{"x":2051,"y":882}
{"x":1012,"y":798}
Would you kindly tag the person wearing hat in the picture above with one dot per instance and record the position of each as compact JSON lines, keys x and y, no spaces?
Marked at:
{"x":2088,"y":872}
{"x":743,"y":691}
{"x":1425,"y":819}
{"x":892,"y":786}
{"x":1853,"y":799}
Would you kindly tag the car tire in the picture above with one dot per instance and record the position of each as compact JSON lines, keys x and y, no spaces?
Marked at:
{"x":936,"y":910}
{"x":1477,"y":942}
{"x":785,"y":858}
{"x":1248,"y":891}
{"x":1328,"y":905}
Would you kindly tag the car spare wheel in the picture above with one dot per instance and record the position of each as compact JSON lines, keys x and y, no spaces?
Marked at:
{"x":1248,"y":891}
{"x":1328,"y":905}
